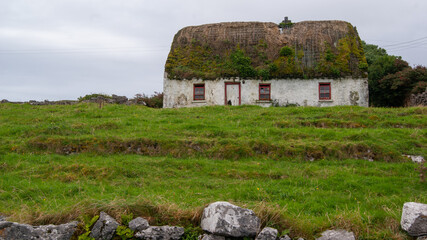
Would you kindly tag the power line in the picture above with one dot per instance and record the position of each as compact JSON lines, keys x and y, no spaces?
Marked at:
{"x":410,"y":45}
{"x":377,"y":40}
{"x":403,"y":43}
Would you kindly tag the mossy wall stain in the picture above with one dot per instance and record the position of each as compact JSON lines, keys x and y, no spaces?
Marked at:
{"x":313,"y":49}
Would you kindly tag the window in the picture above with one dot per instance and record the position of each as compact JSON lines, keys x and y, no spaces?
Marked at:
{"x":264,"y":92}
{"x":199,"y":91}
{"x":324,"y":91}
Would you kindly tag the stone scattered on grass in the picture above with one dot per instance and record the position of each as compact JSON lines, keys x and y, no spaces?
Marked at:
{"x":14,"y":231}
{"x":138,"y":224}
{"x":286,"y":237}
{"x":267,"y":233}
{"x":210,"y":237}
{"x":415,"y":159}
{"x":162,"y":232}
{"x":414,"y":218}
{"x":104,"y":228}
{"x":226,"y":219}
{"x":337,"y":235}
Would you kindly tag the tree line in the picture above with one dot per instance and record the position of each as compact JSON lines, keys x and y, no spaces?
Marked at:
{"x":391,"y":79}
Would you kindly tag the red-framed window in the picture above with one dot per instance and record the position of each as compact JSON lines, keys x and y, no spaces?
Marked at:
{"x":324,"y":91}
{"x":199,"y":92}
{"x":264,"y":92}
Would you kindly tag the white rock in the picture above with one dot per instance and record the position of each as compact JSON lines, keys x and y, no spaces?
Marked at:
{"x":414,"y":218}
{"x":226,"y":219}
{"x":267,"y":233}
{"x":286,"y":237}
{"x":337,"y":235}
{"x":211,"y":237}
{"x":138,"y":224}
{"x":161,"y":233}
{"x":416,"y":159}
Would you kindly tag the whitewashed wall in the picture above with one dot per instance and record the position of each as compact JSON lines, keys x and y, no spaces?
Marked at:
{"x":347,"y":91}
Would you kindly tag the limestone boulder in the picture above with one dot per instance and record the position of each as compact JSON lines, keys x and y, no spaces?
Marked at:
{"x":119,"y":99}
{"x":337,"y":235}
{"x":286,"y":237}
{"x":16,"y":231}
{"x":138,"y":224}
{"x":161,"y":233}
{"x":414,"y":218}
{"x":415,"y":159}
{"x":104,"y":228}
{"x":211,"y":237}
{"x":226,"y":219}
{"x":267,"y":233}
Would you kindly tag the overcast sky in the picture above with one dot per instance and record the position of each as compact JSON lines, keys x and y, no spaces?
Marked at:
{"x":63,"y":49}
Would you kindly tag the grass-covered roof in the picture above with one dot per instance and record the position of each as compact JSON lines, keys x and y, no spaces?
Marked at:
{"x":256,"y":50}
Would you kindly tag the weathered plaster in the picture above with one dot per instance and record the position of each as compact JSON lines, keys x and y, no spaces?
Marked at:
{"x":303,"y":92}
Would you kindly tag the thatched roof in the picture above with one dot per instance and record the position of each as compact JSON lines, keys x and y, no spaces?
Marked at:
{"x":312,"y":49}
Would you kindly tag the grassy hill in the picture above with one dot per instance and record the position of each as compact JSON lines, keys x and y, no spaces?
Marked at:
{"x":302,"y":169}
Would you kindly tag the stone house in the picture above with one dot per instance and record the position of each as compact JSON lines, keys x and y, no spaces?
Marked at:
{"x":311,"y":63}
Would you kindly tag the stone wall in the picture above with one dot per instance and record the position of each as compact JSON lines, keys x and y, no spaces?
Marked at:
{"x":219,"y":221}
{"x":418,"y":99}
{"x":114,"y":99}
{"x":300,"y":92}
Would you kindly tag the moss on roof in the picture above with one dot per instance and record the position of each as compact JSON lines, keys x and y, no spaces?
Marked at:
{"x":255,"y":50}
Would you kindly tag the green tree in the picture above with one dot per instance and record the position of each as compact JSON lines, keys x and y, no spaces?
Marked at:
{"x":380,"y":65}
{"x":391,"y":79}
{"x":372,"y":52}
{"x":397,"y":87}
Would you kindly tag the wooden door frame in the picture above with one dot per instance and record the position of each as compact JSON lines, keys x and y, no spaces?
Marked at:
{"x":225,"y":90}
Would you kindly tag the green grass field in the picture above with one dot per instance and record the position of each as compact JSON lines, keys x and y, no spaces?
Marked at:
{"x":302,"y":169}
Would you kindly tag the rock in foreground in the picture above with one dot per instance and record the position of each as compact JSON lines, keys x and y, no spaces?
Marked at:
{"x":161,"y":233}
{"x":414,"y":218}
{"x":138,"y":224}
{"x":267,"y":233}
{"x":104,"y":228}
{"x":226,"y":219}
{"x":210,"y":237}
{"x":337,"y":235}
{"x":16,"y":231}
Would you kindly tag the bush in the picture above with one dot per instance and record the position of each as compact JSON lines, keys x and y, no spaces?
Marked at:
{"x":242,"y":64}
{"x":94,"y":95}
{"x":396,"y":88}
{"x":330,"y":56}
{"x":154,"y":101}
{"x":286,"y":51}
{"x":285,"y":25}
{"x":419,"y":87}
